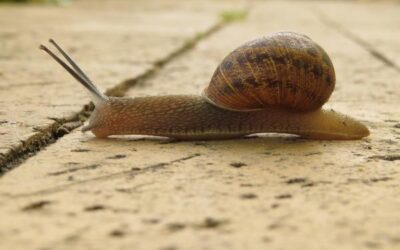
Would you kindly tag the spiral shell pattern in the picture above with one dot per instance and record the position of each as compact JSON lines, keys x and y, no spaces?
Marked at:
{"x":286,"y":69}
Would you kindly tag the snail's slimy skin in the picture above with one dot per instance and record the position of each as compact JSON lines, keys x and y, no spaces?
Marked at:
{"x":190,"y":117}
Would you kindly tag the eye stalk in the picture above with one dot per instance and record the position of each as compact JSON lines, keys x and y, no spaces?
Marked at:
{"x":75,"y":71}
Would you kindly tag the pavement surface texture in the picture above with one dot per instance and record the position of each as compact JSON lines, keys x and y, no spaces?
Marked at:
{"x":64,"y":189}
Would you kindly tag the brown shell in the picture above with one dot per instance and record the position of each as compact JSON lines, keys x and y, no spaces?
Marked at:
{"x":285,"y":69}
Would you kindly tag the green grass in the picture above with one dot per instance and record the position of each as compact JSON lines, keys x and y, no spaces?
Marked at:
{"x":229,"y":16}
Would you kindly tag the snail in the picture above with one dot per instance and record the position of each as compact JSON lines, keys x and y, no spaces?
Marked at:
{"x":276,"y":83}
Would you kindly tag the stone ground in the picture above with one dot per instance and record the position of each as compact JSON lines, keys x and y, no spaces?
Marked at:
{"x":69,"y":190}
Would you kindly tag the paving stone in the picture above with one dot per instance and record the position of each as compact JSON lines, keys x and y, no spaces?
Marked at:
{"x":270,"y":191}
{"x":112,"y":41}
{"x":377,"y":33}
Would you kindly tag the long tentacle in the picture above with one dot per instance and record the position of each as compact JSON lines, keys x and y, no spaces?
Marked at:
{"x":78,"y":74}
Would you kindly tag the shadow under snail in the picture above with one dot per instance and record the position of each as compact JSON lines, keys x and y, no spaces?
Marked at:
{"x":277,"y":83}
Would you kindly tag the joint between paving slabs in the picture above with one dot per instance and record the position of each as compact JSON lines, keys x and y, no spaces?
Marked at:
{"x":374,"y":52}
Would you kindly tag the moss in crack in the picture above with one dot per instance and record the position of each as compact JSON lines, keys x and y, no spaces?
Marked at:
{"x":229,"y":16}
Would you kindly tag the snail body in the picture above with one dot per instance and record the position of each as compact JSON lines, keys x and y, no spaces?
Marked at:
{"x":273,"y":84}
{"x":191,"y":117}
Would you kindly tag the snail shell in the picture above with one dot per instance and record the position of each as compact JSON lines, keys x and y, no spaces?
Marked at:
{"x":286,"y":69}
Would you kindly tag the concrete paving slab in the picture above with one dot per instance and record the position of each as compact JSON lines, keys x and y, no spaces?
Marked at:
{"x":33,"y":88}
{"x":272,"y":191}
{"x":378,"y":33}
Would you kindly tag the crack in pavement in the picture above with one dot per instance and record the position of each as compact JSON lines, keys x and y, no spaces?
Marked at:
{"x":72,"y":170}
{"x":353,"y":37}
{"x":131,"y":172}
